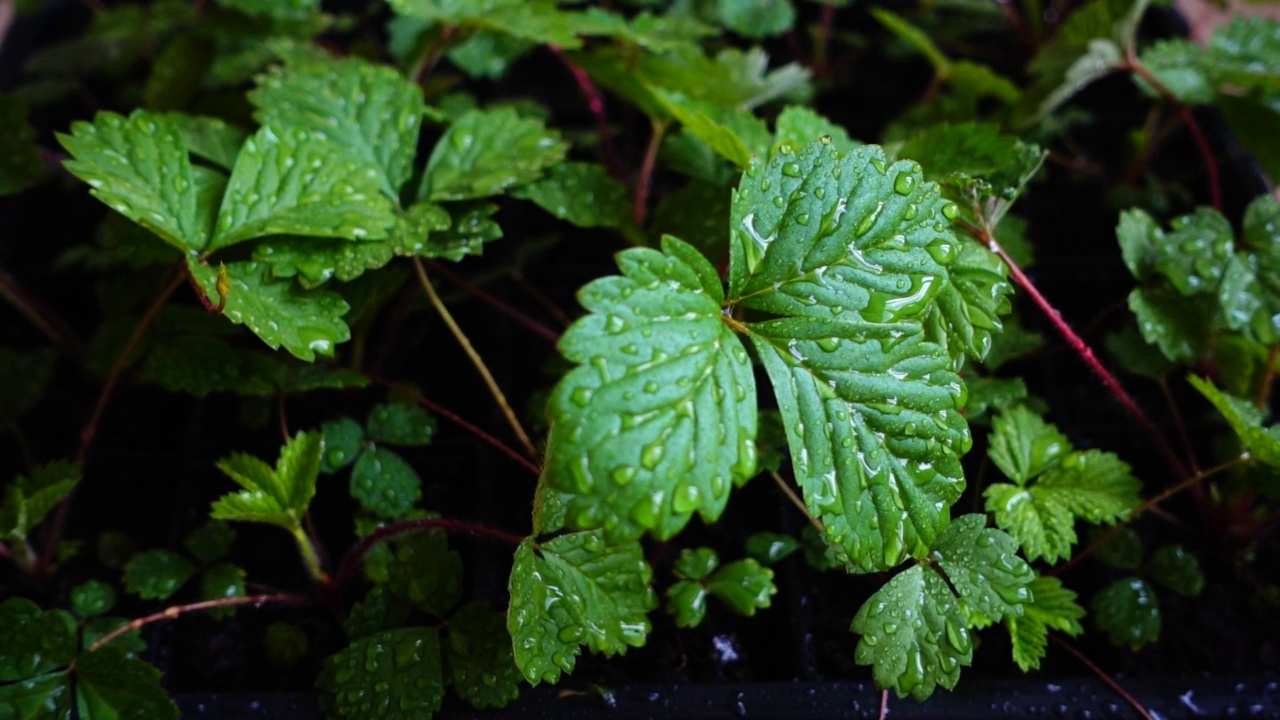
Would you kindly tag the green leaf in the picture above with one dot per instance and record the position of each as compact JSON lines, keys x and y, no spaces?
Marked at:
{"x":696,"y":564}
{"x":110,"y":685}
{"x":538,"y":21}
{"x":210,"y":542}
{"x":1175,"y":569}
{"x":1245,"y":420}
{"x":92,"y":597}
{"x":967,"y":313}
{"x":157,"y":574}
{"x":485,"y":152}
{"x":1251,"y":123}
{"x":575,"y":589}
{"x":488,"y":54}
{"x":1053,"y":607}
{"x":1094,"y":486}
{"x":278,"y":497}
{"x":771,"y":548}
{"x":426,"y":573}
{"x":1023,"y":444}
{"x":219,"y":582}
{"x":732,"y":133}
{"x":463,"y":234}
{"x":379,"y":611}
{"x":293,"y":181}
{"x":399,"y":423}
{"x":343,"y":440}
{"x":384,"y":484}
{"x":756,"y":18}
{"x":139,"y":167}
{"x":23,"y":377}
{"x":1123,"y":550}
{"x":915,"y":37}
{"x":800,"y":126}
{"x":956,"y":154}
{"x":1244,"y":53}
{"x":36,"y":641}
{"x":1180,"y":67}
{"x":1127,"y":612}
{"x":1134,"y":354}
{"x":659,"y":418}
{"x":871,"y":413}
{"x":581,"y":193}
{"x":305,"y":323}
{"x":393,"y":675}
{"x":369,"y":110}
{"x":273,"y":8}
{"x":44,"y":697}
{"x":209,"y":138}
{"x":744,"y":585}
{"x":687,"y":602}
{"x":97,"y":628}
{"x":19,"y":155}
{"x":983,"y":565}
{"x":29,"y":499}
{"x":479,"y":657}
{"x":1178,"y":325}
{"x":829,"y":235}
{"x":992,"y":394}
{"x":655,"y":33}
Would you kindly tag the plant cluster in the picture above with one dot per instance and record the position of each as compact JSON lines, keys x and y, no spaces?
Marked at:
{"x":794,"y":305}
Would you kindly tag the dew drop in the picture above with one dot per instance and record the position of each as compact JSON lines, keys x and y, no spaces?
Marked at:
{"x":904,"y":183}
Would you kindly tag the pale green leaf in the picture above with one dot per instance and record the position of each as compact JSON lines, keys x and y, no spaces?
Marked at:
{"x":826,"y":234}
{"x":581,"y":193}
{"x":384,"y":484}
{"x":733,"y":133}
{"x":913,"y":36}
{"x":1023,"y":444}
{"x":305,"y":323}
{"x":294,"y":181}
{"x":1127,"y":611}
{"x":486,"y":152}
{"x":157,"y":574}
{"x":659,"y":418}
{"x":488,"y":54}
{"x":110,"y":685}
{"x":369,"y":110}
{"x":967,"y":313}
{"x":392,"y":675}
{"x":572,"y":590}
{"x":871,"y":413}
{"x":1053,"y":607}
{"x":1245,"y":420}
{"x":139,"y":167}
{"x":277,"y":496}
{"x":478,"y":654}
{"x":1180,"y":67}
{"x":756,"y":18}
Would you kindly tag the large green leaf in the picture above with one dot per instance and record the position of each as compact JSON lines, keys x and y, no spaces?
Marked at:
{"x":369,"y":110}
{"x":391,"y":675}
{"x":659,"y":419}
{"x":572,"y":590}
{"x":915,"y":630}
{"x":485,"y":152}
{"x":113,"y":686}
{"x":872,"y":419}
{"x":277,"y":496}
{"x":826,"y":234}
{"x":45,"y":697}
{"x":305,"y":323}
{"x":295,"y":181}
{"x":1053,"y":607}
{"x":139,"y":166}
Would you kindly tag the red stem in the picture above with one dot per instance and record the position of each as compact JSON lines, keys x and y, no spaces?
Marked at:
{"x":386,"y":532}
{"x":175,"y":611}
{"x":1132,"y":64}
{"x":884,"y":704}
{"x":1105,"y":677}
{"x":1086,"y":353}
{"x":595,"y":102}
{"x":821,"y":66}
{"x":641,"y":208}
{"x":533,"y":325}
{"x":455,"y":419}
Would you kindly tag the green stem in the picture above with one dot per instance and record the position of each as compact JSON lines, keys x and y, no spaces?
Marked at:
{"x":310,"y":557}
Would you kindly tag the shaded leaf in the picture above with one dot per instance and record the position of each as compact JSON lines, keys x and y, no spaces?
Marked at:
{"x":23,"y":377}
{"x":210,"y":542}
{"x":426,"y":573}
{"x":1176,"y":569}
{"x":486,"y":152}
{"x":1245,"y":420}
{"x":1127,"y":612}
{"x":399,"y":423}
{"x":19,"y":155}
{"x":343,"y":440}
{"x":43,"y":697}
{"x":110,"y":685}
{"x":581,"y":193}
{"x":36,"y":641}
{"x":157,"y":574}
{"x":384,"y":484}
{"x":393,"y":675}
{"x":220,"y":581}
{"x":92,"y":597}
{"x":479,"y":657}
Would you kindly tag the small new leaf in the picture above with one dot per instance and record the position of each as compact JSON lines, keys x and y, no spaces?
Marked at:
{"x":744,"y":585}
{"x":278,"y":497}
{"x":29,"y":499}
{"x":486,"y":152}
{"x":393,"y":675}
{"x":1053,"y":607}
{"x":659,"y":419}
{"x":573,"y":590}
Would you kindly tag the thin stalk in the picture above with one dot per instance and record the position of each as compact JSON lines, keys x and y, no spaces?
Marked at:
{"x":822,"y":43}
{"x":532,"y":325}
{"x":476,"y":360}
{"x":1084,"y":351}
{"x":387,"y":532}
{"x":454,"y":418}
{"x":282,"y":419}
{"x":54,"y":533}
{"x":641,"y":208}
{"x":310,"y":557}
{"x":49,"y":324}
{"x":884,"y":704}
{"x":432,"y":54}
{"x":171,"y":613}
{"x":1134,"y":65}
{"x":1147,"y":506}
{"x":1133,"y":702}
{"x":1268,"y":374}
{"x":795,"y":500}
{"x":595,"y":102}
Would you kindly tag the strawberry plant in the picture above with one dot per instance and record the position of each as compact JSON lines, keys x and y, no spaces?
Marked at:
{"x":517,"y":317}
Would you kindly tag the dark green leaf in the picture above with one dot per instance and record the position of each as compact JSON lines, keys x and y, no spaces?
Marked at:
{"x":1178,"y":325}
{"x":36,"y":641}
{"x":97,"y":628}
{"x":93,"y":597}
{"x":1245,"y":420}
{"x":1134,"y":354}
{"x":992,"y":394}
{"x":486,"y":152}
{"x":222,"y":581}
{"x":915,"y":37}
{"x":393,"y":675}
{"x":658,"y":420}
{"x":1053,"y":607}
{"x":343,"y":440}
{"x":274,"y":8}
{"x":29,"y":499}
{"x":687,"y":602}
{"x":771,"y":548}
{"x":369,"y":110}
{"x":426,"y":573}
{"x":967,"y":312}
{"x":538,"y":21}
{"x":1023,"y":444}
{"x":46,"y":697}
{"x":1127,"y":612}
{"x":1175,"y":569}
{"x":1123,"y":550}
{"x":756,"y":18}
{"x":581,"y":193}
{"x":573,"y":590}
{"x":23,"y":376}
{"x":696,"y":564}
{"x":1252,"y":124}
{"x":379,"y":611}
{"x":744,"y":585}
{"x":469,"y":228}
{"x":19,"y":155}
{"x":384,"y":483}
{"x":305,"y":323}
{"x":697,"y":212}
{"x":488,"y":54}
{"x":210,"y":542}
{"x":479,"y":657}
{"x":178,"y":72}
{"x":285,"y":645}
{"x":400,"y":423}
{"x":157,"y":574}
